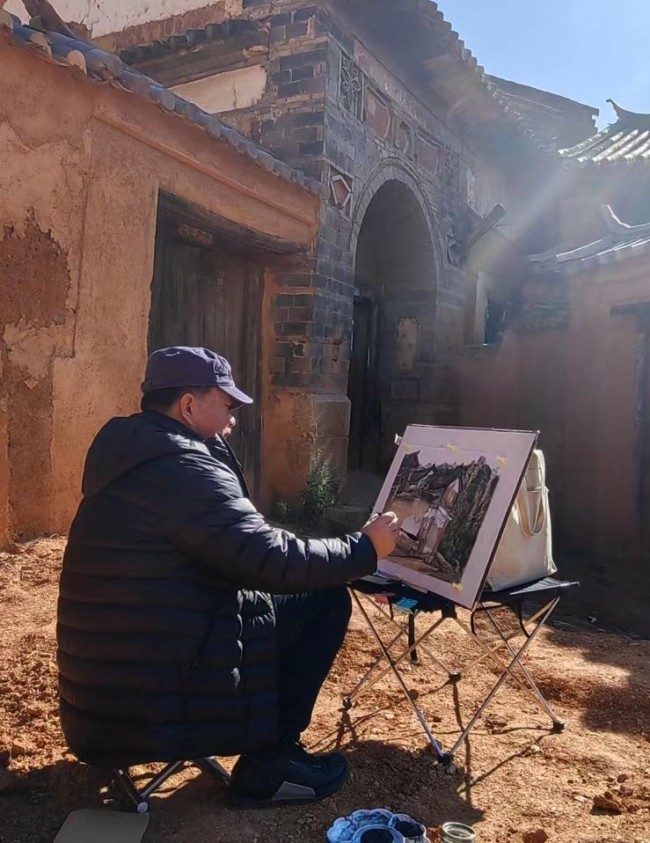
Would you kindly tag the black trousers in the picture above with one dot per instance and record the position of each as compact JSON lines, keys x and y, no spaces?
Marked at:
{"x":311,"y":629}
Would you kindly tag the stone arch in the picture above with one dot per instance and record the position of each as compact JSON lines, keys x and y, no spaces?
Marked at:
{"x":397,"y":266}
{"x":393,"y":169}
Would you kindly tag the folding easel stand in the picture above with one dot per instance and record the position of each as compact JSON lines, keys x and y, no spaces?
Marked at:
{"x":512,"y":667}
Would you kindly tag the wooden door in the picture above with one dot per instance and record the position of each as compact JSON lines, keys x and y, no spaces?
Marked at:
{"x":362,"y":387}
{"x":212,"y":297}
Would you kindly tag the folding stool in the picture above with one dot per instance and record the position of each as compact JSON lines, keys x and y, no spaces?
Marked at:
{"x":140,"y":796}
{"x":413,"y":602}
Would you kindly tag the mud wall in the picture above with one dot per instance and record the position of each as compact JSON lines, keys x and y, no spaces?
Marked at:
{"x":580,"y":386}
{"x":77,"y":221}
{"x":43,"y":166}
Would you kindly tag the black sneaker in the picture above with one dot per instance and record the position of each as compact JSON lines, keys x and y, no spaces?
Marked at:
{"x":287,"y":776}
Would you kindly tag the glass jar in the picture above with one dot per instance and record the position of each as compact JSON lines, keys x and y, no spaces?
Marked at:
{"x":457,"y":833}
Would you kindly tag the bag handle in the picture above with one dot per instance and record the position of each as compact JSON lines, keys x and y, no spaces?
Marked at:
{"x":538,"y":521}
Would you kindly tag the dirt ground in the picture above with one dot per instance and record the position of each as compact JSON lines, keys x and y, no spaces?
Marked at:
{"x":515,"y":777}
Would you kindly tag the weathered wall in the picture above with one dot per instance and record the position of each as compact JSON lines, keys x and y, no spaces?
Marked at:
{"x":579,"y":386}
{"x":43,"y":168}
{"x":387,"y":134}
{"x":78,"y":216}
{"x":602,"y":400}
{"x":521,"y":385}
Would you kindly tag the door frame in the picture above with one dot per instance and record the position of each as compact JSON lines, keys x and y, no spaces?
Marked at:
{"x":180,"y":221}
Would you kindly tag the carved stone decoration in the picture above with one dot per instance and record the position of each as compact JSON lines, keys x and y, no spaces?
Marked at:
{"x":351,"y":86}
{"x":406,"y":351}
{"x":404,"y":139}
{"x":429,"y":155}
{"x":452,"y":167}
{"x":340,"y":187}
{"x":453,"y":249}
{"x":377,"y":114}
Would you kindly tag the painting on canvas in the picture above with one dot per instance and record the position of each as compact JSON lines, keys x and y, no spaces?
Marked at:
{"x":452,"y":489}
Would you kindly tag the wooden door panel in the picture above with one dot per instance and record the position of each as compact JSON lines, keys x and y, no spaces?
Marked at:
{"x":211,"y":297}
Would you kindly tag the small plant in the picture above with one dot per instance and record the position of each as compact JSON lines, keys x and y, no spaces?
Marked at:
{"x":322,"y":489}
{"x":280,"y":511}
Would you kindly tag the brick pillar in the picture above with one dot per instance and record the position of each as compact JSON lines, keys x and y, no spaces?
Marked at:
{"x":307,"y":412}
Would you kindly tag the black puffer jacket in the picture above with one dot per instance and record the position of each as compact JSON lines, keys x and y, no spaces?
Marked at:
{"x":166,"y":631}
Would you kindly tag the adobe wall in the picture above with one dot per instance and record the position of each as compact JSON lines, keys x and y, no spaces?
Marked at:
{"x":43,"y":167}
{"x":522,"y":384}
{"x":579,"y":386}
{"x":602,"y":407}
{"x":78,"y":216}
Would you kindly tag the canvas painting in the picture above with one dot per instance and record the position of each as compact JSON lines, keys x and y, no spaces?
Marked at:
{"x":452,"y":489}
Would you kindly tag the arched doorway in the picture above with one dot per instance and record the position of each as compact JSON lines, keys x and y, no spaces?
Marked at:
{"x":391,"y":362}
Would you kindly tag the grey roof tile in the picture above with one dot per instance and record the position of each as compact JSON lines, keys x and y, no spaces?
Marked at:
{"x":620,"y":242}
{"x":625,"y":141}
{"x":427,"y":10}
{"x":188,"y":40}
{"x":99,"y":65}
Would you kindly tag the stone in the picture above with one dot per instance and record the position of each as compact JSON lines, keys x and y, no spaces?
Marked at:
{"x":537,"y":836}
{"x":496,"y":722}
{"x":622,"y":777}
{"x":22,"y":746}
{"x":626,"y":790}
{"x":607,"y":802}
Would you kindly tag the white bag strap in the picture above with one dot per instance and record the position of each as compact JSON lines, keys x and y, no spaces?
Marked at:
{"x":533,"y":527}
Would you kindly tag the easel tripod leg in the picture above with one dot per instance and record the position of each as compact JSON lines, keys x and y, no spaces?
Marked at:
{"x":541,"y":699}
{"x":437,"y":748}
{"x":506,"y":673}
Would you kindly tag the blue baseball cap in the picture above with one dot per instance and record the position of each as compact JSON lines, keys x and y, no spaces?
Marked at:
{"x":182,"y":365}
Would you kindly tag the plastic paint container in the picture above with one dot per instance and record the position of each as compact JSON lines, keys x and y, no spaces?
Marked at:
{"x":373,"y":816}
{"x":342,"y":831}
{"x":410,"y":829}
{"x":377,"y":834}
{"x":457,"y":833}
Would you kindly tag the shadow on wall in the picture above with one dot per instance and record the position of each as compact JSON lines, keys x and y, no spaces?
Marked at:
{"x":613,"y":591}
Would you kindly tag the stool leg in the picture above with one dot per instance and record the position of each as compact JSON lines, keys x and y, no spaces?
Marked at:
{"x":209,"y":765}
{"x":161,"y":778}
{"x":557,"y":723}
{"x":125,"y":781}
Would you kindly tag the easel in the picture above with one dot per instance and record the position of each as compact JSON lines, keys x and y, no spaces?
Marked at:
{"x":403,"y":597}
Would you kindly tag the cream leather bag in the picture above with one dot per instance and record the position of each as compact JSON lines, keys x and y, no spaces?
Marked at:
{"x":525,"y":552}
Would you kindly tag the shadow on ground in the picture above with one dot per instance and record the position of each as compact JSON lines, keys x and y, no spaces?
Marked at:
{"x":192,"y":805}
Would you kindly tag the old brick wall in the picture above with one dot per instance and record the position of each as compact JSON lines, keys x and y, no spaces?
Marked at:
{"x":345,"y":111}
{"x":340,"y":110}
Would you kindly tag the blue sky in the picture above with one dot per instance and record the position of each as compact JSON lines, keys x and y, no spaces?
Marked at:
{"x":588,"y":50}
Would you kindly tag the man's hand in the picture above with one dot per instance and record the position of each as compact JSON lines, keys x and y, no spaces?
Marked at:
{"x":382,"y":530}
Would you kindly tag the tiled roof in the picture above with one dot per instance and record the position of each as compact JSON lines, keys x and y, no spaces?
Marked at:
{"x":427,"y":11}
{"x":430,"y":13}
{"x":101,"y":66}
{"x":626,"y":141}
{"x":619,"y":243}
{"x":189,"y":39}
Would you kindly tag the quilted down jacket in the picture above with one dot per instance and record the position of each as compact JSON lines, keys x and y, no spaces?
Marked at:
{"x":166,"y":631}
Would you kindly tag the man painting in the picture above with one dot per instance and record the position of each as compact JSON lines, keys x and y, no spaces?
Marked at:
{"x":187,"y":625}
